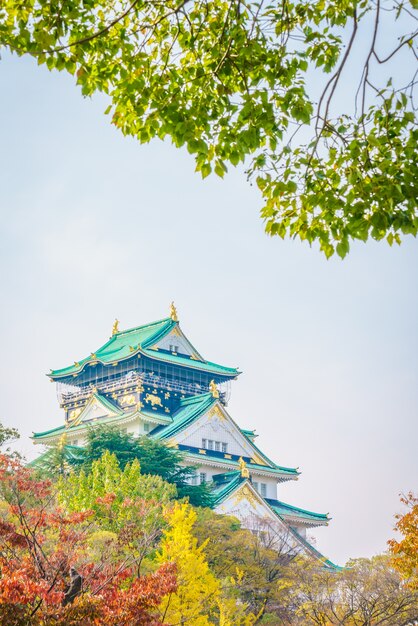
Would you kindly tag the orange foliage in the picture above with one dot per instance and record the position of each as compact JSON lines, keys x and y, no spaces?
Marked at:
{"x":405,"y":551}
{"x":39,"y":542}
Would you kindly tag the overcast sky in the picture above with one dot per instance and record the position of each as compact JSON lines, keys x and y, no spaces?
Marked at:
{"x":95,"y":226}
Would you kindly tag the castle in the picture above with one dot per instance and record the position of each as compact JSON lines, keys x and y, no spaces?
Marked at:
{"x":150,"y":380}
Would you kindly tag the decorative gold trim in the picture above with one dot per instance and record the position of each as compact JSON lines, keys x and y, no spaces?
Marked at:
{"x":243,"y":468}
{"x":128,"y":400}
{"x":202,"y":451}
{"x":115,"y":327}
{"x":245,"y":493}
{"x":173,"y":313}
{"x":213,"y":389}
{"x":216,"y":411}
{"x":259,"y":460}
{"x":153,"y":400}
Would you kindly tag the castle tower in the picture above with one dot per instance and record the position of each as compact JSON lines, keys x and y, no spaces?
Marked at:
{"x":151,"y":380}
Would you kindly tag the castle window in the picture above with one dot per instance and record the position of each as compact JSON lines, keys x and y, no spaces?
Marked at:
{"x":75,"y":442}
{"x":147,"y":428}
{"x":261,"y":488}
{"x":202,"y":477}
{"x":218,"y":446}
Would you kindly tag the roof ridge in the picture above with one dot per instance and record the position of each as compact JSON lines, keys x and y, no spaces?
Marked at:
{"x":135,"y":328}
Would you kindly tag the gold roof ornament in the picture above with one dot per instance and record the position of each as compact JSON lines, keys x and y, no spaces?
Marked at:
{"x":243,"y":468}
{"x":213,"y":389}
{"x":115,"y":327}
{"x":173,"y":313}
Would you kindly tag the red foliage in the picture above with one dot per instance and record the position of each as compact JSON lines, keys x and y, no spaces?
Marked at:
{"x":39,"y":542}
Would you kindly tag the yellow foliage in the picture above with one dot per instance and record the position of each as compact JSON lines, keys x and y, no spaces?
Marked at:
{"x":199,"y":599}
{"x":231,"y":613}
{"x":196,"y":597}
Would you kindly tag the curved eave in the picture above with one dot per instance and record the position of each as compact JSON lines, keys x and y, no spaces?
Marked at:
{"x":295,"y":515}
{"x":204,"y":366}
{"x":279,"y":474}
{"x":304,"y":521}
{"x":165,"y":326}
{"x":207,"y":366}
{"x":124,"y":418}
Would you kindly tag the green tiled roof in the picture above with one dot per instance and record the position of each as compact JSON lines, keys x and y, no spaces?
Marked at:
{"x":287,"y":510}
{"x":127,"y":343}
{"x":62,"y":429}
{"x":250,"y":434}
{"x":189,"y":410}
{"x":178,"y":359}
{"x":71,"y":452}
{"x":211,"y":455}
{"x":226,"y":487}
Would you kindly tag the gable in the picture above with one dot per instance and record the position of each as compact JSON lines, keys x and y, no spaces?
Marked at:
{"x":96,"y":408}
{"x":176,"y":343}
{"x":255,"y":514}
{"x":249,"y":507}
{"x":214,"y":428}
{"x":244,"y":502}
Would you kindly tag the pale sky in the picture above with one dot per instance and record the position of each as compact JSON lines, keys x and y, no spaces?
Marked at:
{"x":96,"y":226}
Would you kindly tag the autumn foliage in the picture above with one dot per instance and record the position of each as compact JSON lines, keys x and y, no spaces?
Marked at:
{"x":405,"y":551}
{"x":40,"y":541}
{"x":110,"y":545}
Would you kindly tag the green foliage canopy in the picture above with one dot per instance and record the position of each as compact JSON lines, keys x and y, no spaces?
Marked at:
{"x":228,"y":80}
{"x":155,"y":458}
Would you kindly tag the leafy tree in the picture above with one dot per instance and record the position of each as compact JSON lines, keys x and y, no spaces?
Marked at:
{"x":251,"y":566}
{"x":41,"y":543}
{"x":7,"y":436}
{"x":126,"y":502}
{"x":154,"y":457}
{"x":194,"y":601}
{"x":201,"y":598}
{"x":58,"y":459}
{"x":368,"y":592}
{"x":256,"y":82}
{"x":405,"y":551}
